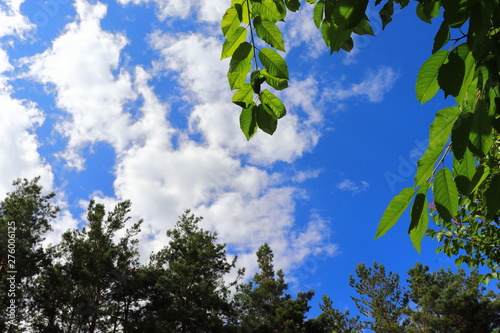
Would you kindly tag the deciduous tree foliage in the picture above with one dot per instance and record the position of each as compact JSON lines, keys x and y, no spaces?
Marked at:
{"x":464,"y":64}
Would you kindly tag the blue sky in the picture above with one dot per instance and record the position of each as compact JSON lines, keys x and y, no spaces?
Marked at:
{"x":128,"y":100}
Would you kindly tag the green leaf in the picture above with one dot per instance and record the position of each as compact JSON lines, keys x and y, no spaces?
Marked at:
{"x":464,"y":171}
{"x":364,"y":28}
{"x":265,"y":120}
{"x":421,"y":13}
{"x":425,"y":165}
{"x":439,"y":135}
{"x":482,"y":172}
{"x":451,"y":75}
{"x":240,"y":65}
{"x":394,"y":210}
{"x":442,"y":126}
{"x":333,"y":36}
{"x":269,"y":10}
{"x":427,"y":83}
{"x":275,"y":82}
{"x":481,"y":129}
{"x":273,"y":102}
{"x":348,"y":13}
{"x":442,"y":37}
{"x":455,"y":12}
{"x":318,"y":13}
{"x":274,"y":63}
{"x":432,"y":8}
{"x":419,"y":218}
{"x":293,"y":5}
{"x":242,"y":10}
{"x":269,"y":33}
{"x":248,"y":121}
{"x":467,"y":86}
{"x":244,"y":96}
{"x":460,"y":134}
{"x":445,"y":194}
{"x":256,"y":80}
{"x":233,"y":41}
{"x":492,"y":195}
{"x":230,"y":21}
{"x":386,"y":13}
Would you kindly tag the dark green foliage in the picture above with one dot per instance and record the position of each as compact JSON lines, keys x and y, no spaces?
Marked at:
{"x":449,"y":302}
{"x":334,"y":320}
{"x":96,"y":277}
{"x":381,"y":298}
{"x":93,"y":282}
{"x":189,"y":293}
{"x":25,"y":216}
{"x":264,"y":305}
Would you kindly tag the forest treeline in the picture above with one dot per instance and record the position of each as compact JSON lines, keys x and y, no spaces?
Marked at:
{"x":93,"y":281}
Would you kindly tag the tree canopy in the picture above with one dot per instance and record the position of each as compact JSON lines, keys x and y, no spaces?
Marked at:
{"x":464,"y":64}
{"x":93,"y":281}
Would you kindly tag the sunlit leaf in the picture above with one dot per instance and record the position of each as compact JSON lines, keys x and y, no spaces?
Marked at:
{"x":273,"y":102}
{"x":240,"y":65}
{"x":427,"y":83}
{"x":348,"y":13}
{"x":269,"y":33}
{"x":394,"y":210}
{"x":445,"y":194}
{"x":233,"y":41}
{"x":230,"y":21}
{"x":419,"y":218}
{"x":274,"y":63}
{"x":244,"y":96}
{"x":248,"y":121}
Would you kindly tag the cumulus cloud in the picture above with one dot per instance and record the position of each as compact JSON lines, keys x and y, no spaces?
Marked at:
{"x":19,"y":157}
{"x":206,"y":10}
{"x":12,"y":22}
{"x":79,"y":66}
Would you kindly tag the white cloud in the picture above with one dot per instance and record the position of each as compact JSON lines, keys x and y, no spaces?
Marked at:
{"x":300,"y":28}
{"x":19,"y":157}
{"x":79,"y":65}
{"x":350,"y":186}
{"x":12,"y":22}
{"x":302,"y":176}
{"x":207,"y":10}
{"x":373,"y":87}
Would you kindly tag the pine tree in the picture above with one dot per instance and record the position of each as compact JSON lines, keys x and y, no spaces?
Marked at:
{"x":93,"y":279}
{"x":25,"y":216}
{"x":190,"y":293}
{"x":381,"y":298}
{"x":451,"y":302}
{"x":264,"y":304}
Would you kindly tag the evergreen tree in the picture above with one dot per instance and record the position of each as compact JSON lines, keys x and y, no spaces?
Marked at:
{"x":334,"y":320}
{"x":264,"y":304}
{"x":450,"y":302}
{"x":25,"y":216}
{"x":381,"y":298}
{"x":190,"y":294}
{"x":93,"y":284}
